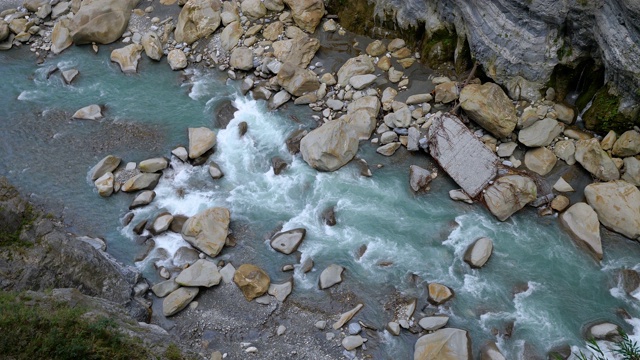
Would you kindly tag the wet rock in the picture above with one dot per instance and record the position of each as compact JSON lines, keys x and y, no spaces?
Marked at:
{"x":91,"y":112}
{"x":214,"y":171}
{"x":439,"y":294}
{"x":582,"y":222}
{"x":69,"y":75}
{"x":540,"y":160}
{"x":628,"y":144}
{"x":604,"y":331}
{"x":242,"y":128}
{"x":329,"y":216}
{"x":101,"y":22}
{"x":288,"y":241}
{"x":616,"y":204}
{"x":181,"y":153}
{"x":153,"y":165}
{"x":197,"y":19}
{"x":279,"y":99}
{"x":224,"y":113}
{"x":178,"y":300}
{"x":296,"y":80}
{"x":201,"y":273}
{"x":127,"y":57}
{"x":393,"y":328}
{"x":306,"y":13}
{"x":208,"y":230}
{"x":490,"y":351}
{"x":293,"y":141}
{"x":177,"y":59}
{"x":164,"y":288}
{"x":139,"y":228}
{"x":104,"y":184}
{"x":346,"y":317}
{"x":241,"y":58}
{"x":490,"y":107}
{"x":280,"y":291}
{"x":201,"y":140}
{"x":479,"y":252}
{"x":509,"y":194}
{"x":419,"y":178}
{"x":360,"y":65}
{"x":161,"y":223}
{"x":231,"y":35}
{"x":432,"y":323}
{"x":252,"y":281}
{"x":540,"y":133}
{"x":141,"y":181}
{"x":307,"y":265}
{"x":108,"y":164}
{"x":595,"y":160}
{"x":444,"y":344}
{"x":331,"y":276}
{"x":330,"y":146}
{"x":142,"y":199}
{"x":352,"y":342}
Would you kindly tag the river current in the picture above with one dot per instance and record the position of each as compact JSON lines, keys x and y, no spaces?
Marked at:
{"x":538,"y":281}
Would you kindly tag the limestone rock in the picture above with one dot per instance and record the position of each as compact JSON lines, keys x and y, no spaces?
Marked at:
{"x":460,"y":195}
{"x":69,"y":75}
{"x":207,"y":231}
{"x":346,"y":317}
{"x":447,"y":92}
{"x":296,"y":80}
{"x":214,"y":171}
{"x":253,"y":9}
{"x":628,"y":144}
{"x":104,"y":184}
{"x":330,"y":276}
{"x":376,"y":48}
{"x":360,"y":65}
{"x":565,"y":150}
{"x":142,"y":199}
{"x":479,"y":252}
{"x":359,"y":82}
{"x":241,"y":58}
{"x":509,"y":194}
{"x":108,"y":164}
{"x":102,"y":22}
{"x":439,"y":294}
{"x":227,"y":273}
{"x":153,"y":165}
{"x":307,"y":14}
{"x":252,"y":281}
{"x":164,"y":288}
{"x":181,"y":153}
{"x":201,"y":140}
{"x":432,"y":323}
{"x":91,"y":112}
{"x":280,"y":291}
{"x":540,"y":133}
{"x":352,"y":342}
{"x":177,"y":59}
{"x":61,"y":36}
{"x":617,"y":206}
{"x":197,"y":19}
{"x":603,"y":331}
{"x":231,"y":35}
{"x":287,"y":242}
{"x":141,"y":181}
{"x":361,"y":122}
{"x":562,"y":186}
{"x":178,"y":300}
{"x":229,"y":13}
{"x":540,"y":160}
{"x":490,"y":351}
{"x":389,"y":149}
{"x":330,"y":146}
{"x":201,"y":273}
{"x":419,"y":178}
{"x":631,"y":171}
{"x":582,"y":222}
{"x":490,"y":107}
{"x":152,"y":46}
{"x":444,"y":344}
{"x":161,"y":223}
{"x":595,"y":160}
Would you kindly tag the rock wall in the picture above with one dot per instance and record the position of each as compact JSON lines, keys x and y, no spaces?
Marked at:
{"x":519,"y":43}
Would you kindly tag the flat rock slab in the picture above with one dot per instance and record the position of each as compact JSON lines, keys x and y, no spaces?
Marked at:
{"x":164,"y":288}
{"x":178,"y":300}
{"x":280,"y":291}
{"x":141,"y":182}
{"x":201,"y":273}
{"x":330,"y":276}
{"x":287,"y":242}
{"x":444,"y":344}
{"x":463,"y":156}
{"x":432,"y":323}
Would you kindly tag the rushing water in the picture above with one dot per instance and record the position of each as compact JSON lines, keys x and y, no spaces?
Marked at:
{"x":538,"y":280}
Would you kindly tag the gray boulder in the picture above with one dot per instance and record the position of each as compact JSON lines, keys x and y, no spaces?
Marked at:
{"x":207,"y":231}
{"x":360,"y":65}
{"x":231,"y":35}
{"x":152,"y":46}
{"x":617,"y":206}
{"x":582,"y":222}
{"x":419,"y":178}
{"x":108,"y":164}
{"x":142,"y":199}
{"x":178,"y":300}
{"x":201,"y":273}
{"x":540,"y":160}
{"x":479,"y":252}
{"x":541,"y":133}
{"x":628,"y":144}
{"x":307,"y":14}
{"x":595,"y":160}
{"x":164,"y":288}
{"x":102,"y":22}
{"x":359,"y":82}
{"x":104,"y":184}
{"x":161,"y":223}
{"x":153,"y":165}
{"x":287,"y":242}
{"x":91,"y":112}
{"x":509,"y":194}
{"x":241,"y":58}
{"x":141,"y":181}
{"x":330,"y":146}
{"x":280,"y":291}
{"x":177,"y":59}
{"x":201,"y":140}
{"x":253,"y":9}
{"x":432,"y":323}
{"x":298,"y":51}
{"x":331,"y":276}
{"x":444,"y":344}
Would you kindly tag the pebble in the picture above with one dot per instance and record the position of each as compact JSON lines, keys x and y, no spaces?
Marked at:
{"x":321,"y":324}
{"x":330,"y":336}
{"x":251,"y":349}
{"x":281,"y":330}
{"x":354,"y":329}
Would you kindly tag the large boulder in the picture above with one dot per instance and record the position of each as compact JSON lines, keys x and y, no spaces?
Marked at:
{"x":298,"y":51}
{"x":330,"y":276}
{"x":361,"y":122}
{"x":152,"y":46}
{"x":253,"y":9}
{"x":252,"y":281}
{"x":330,"y":146}
{"x":631,"y":171}
{"x":287,"y":242}
{"x":439,"y":294}
{"x":201,"y":273}
{"x":628,"y":144}
{"x":419,"y":178}
{"x":541,"y":160}
{"x":509,"y":194}
{"x":444,"y":344}
{"x":101,"y":21}
{"x":127,"y":57}
{"x":297,"y":80}
{"x":306,"y":13}
{"x":141,"y":182}
{"x":207,"y":231}
{"x":490,"y":107}
{"x":478,"y":253}
{"x":595,"y":160}
{"x":617,"y":204}
{"x":61,"y":36}
{"x":108,"y":164}
{"x":359,"y":65}
{"x":178,"y":300}
{"x":201,"y":140}
{"x":231,"y":35}
{"x":582,"y":222}
{"x":241,"y":58}
{"x":198,"y":19}
{"x":540,"y":133}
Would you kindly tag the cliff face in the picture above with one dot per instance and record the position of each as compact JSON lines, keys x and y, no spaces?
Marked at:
{"x":519,"y":43}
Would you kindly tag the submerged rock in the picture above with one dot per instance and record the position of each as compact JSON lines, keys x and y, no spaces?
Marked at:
{"x":509,"y":194}
{"x":616,"y":204}
{"x":252,"y":281}
{"x":444,"y":344}
{"x":208,"y":230}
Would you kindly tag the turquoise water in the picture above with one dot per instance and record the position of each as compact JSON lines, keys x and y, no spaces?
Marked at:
{"x":537,"y":279}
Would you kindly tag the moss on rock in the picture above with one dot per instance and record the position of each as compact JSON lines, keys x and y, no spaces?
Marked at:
{"x":603,"y":115}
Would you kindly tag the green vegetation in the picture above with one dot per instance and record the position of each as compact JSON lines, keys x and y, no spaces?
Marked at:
{"x":11,"y":237}
{"x":603,"y":114}
{"x":54,"y":331}
{"x":625,"y":347}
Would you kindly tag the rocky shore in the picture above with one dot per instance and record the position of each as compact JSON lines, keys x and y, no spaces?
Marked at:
{"x":505,"y":149}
